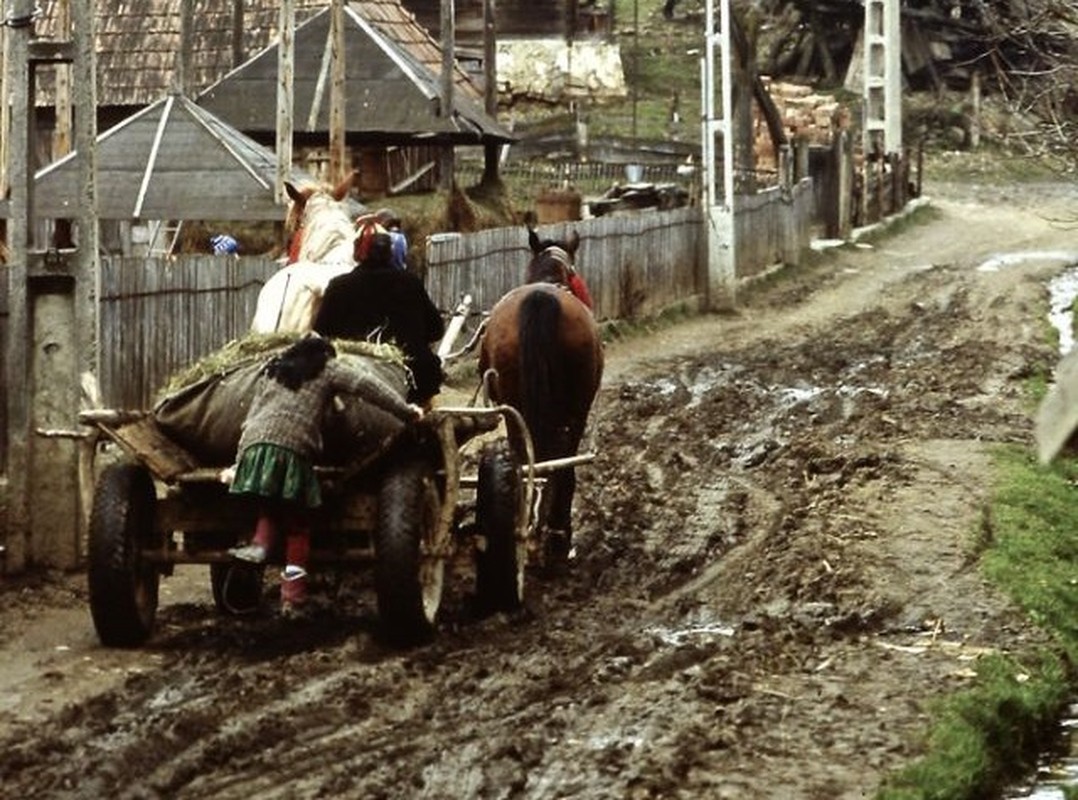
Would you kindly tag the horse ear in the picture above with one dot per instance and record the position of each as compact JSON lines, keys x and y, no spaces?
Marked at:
{"x":533,"y":241}
{"x":573,"y":243}
{"x":293,"y":192}
{"x":341,"y":190}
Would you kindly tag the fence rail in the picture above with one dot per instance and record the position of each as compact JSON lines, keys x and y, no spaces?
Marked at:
{"x":159,"y":315}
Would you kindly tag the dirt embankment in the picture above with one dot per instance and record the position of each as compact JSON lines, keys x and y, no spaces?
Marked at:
{"x":775,"y":573}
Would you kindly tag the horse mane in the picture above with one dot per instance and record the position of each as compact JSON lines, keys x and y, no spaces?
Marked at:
{"x":321,"y":216}
{"x":326,"y":225}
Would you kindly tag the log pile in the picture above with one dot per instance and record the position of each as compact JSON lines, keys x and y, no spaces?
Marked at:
{"x":1024,"y":52}
{"x":944,"y":42}
{"x":806,"y":115}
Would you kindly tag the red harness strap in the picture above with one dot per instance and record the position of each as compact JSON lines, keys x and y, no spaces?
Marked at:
{"x":293,"y":246}
{"x":580,"y":290}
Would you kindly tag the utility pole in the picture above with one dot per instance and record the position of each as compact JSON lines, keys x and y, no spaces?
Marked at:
{"x":718,"y":194}
{"x":52,"y":299}
{"x":883,"y":77}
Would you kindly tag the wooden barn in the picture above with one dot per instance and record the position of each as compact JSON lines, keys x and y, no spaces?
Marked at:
{"x":549,"y":51}
{"x":392,"y":105}
{"x":146,"y":50}
{"x":149,"y":183}
{"x":517,"y":19}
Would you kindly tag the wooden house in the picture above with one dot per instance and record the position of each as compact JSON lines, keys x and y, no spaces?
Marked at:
{"x":143,"y":54}
{"x":392,"y":106}
{"x":547,"y":50}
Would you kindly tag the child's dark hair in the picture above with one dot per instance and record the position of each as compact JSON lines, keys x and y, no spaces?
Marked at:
{"x":303,"y":360}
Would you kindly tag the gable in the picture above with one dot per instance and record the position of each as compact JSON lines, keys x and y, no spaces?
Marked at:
{"x":390,"y":87}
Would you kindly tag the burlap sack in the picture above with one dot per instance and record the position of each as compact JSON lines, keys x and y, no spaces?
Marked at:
{"x":205,"y":417}
{"x":354,"y":428}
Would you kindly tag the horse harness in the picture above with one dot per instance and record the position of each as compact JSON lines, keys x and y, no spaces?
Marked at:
{"x":570,"y":281}
{"x":559,"y":255}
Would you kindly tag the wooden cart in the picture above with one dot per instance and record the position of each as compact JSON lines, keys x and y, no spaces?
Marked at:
{"x":406,"y":512}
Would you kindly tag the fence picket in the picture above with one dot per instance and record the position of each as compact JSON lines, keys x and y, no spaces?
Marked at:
{"x":160,"y":314}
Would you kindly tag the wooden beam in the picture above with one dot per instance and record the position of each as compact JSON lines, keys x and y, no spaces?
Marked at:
{"x":337,"y":151}
{"x":87,"y":299}
{"x":447,"y":165}
{"x":237,"y":33}
{"x":285,"y":98}
{"x":181,"y":75}
{"x":61,"y":142}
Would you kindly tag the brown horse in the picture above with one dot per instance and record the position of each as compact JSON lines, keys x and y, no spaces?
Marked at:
{"x":545,"y":355}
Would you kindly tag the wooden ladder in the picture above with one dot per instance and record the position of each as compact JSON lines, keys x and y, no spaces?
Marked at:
{"x":163,"y":236}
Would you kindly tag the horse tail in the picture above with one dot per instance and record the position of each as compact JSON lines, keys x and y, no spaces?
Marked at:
{"x":543,"y":378}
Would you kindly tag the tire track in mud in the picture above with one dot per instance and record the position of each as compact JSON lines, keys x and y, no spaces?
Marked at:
{"x":734,"y":623}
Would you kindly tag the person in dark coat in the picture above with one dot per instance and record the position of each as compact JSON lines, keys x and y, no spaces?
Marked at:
{"x":378,"y":301}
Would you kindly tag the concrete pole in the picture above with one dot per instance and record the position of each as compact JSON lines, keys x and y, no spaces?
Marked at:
{"x":718,"y":198}
{"x":19,"y":19}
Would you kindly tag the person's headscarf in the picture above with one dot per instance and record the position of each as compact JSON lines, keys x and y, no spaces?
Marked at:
{"x":223,"y":244}
{"x":379,"y":251}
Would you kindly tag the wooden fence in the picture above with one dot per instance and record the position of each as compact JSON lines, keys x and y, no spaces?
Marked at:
{"x":159,"y":315}
{"x":634,"y":264}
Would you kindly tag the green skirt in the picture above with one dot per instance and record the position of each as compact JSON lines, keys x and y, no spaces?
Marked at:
{"x":270,"y":471}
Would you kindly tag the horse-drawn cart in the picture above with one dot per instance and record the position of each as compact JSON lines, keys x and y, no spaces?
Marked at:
{"x":407,"y":511}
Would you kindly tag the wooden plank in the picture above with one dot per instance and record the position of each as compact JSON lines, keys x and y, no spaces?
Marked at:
{"x":144,"y":440}
{"x":1057,"y":415}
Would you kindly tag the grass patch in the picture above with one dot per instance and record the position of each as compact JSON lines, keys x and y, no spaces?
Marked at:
{"x":989,"y":736}
{"x":1035,"y":554}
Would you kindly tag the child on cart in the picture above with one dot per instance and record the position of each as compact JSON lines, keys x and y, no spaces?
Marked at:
{"x":281,"y":441}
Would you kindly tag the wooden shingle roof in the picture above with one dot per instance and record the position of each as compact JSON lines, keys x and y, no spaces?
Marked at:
{"x":172,"y":160}
{"x":138,"y":43}
{"x":392,"y":83}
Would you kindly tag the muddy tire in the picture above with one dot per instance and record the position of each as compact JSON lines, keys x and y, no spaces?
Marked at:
{"x":500,"y":559}
{"x":408,"y":576}
{"x":123,"y":584}
{"x":237,"y":588}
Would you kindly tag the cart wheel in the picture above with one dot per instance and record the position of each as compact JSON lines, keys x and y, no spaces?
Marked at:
{"x":237,"y":588}
{"x":499,"y":564}
{"x":409,"y":571}
{"x":123,"y":585}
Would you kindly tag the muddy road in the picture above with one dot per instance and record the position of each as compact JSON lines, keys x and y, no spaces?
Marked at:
{"x":775,"y":573}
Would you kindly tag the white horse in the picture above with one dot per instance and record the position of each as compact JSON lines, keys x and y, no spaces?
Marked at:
{"x":321,"y":221}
